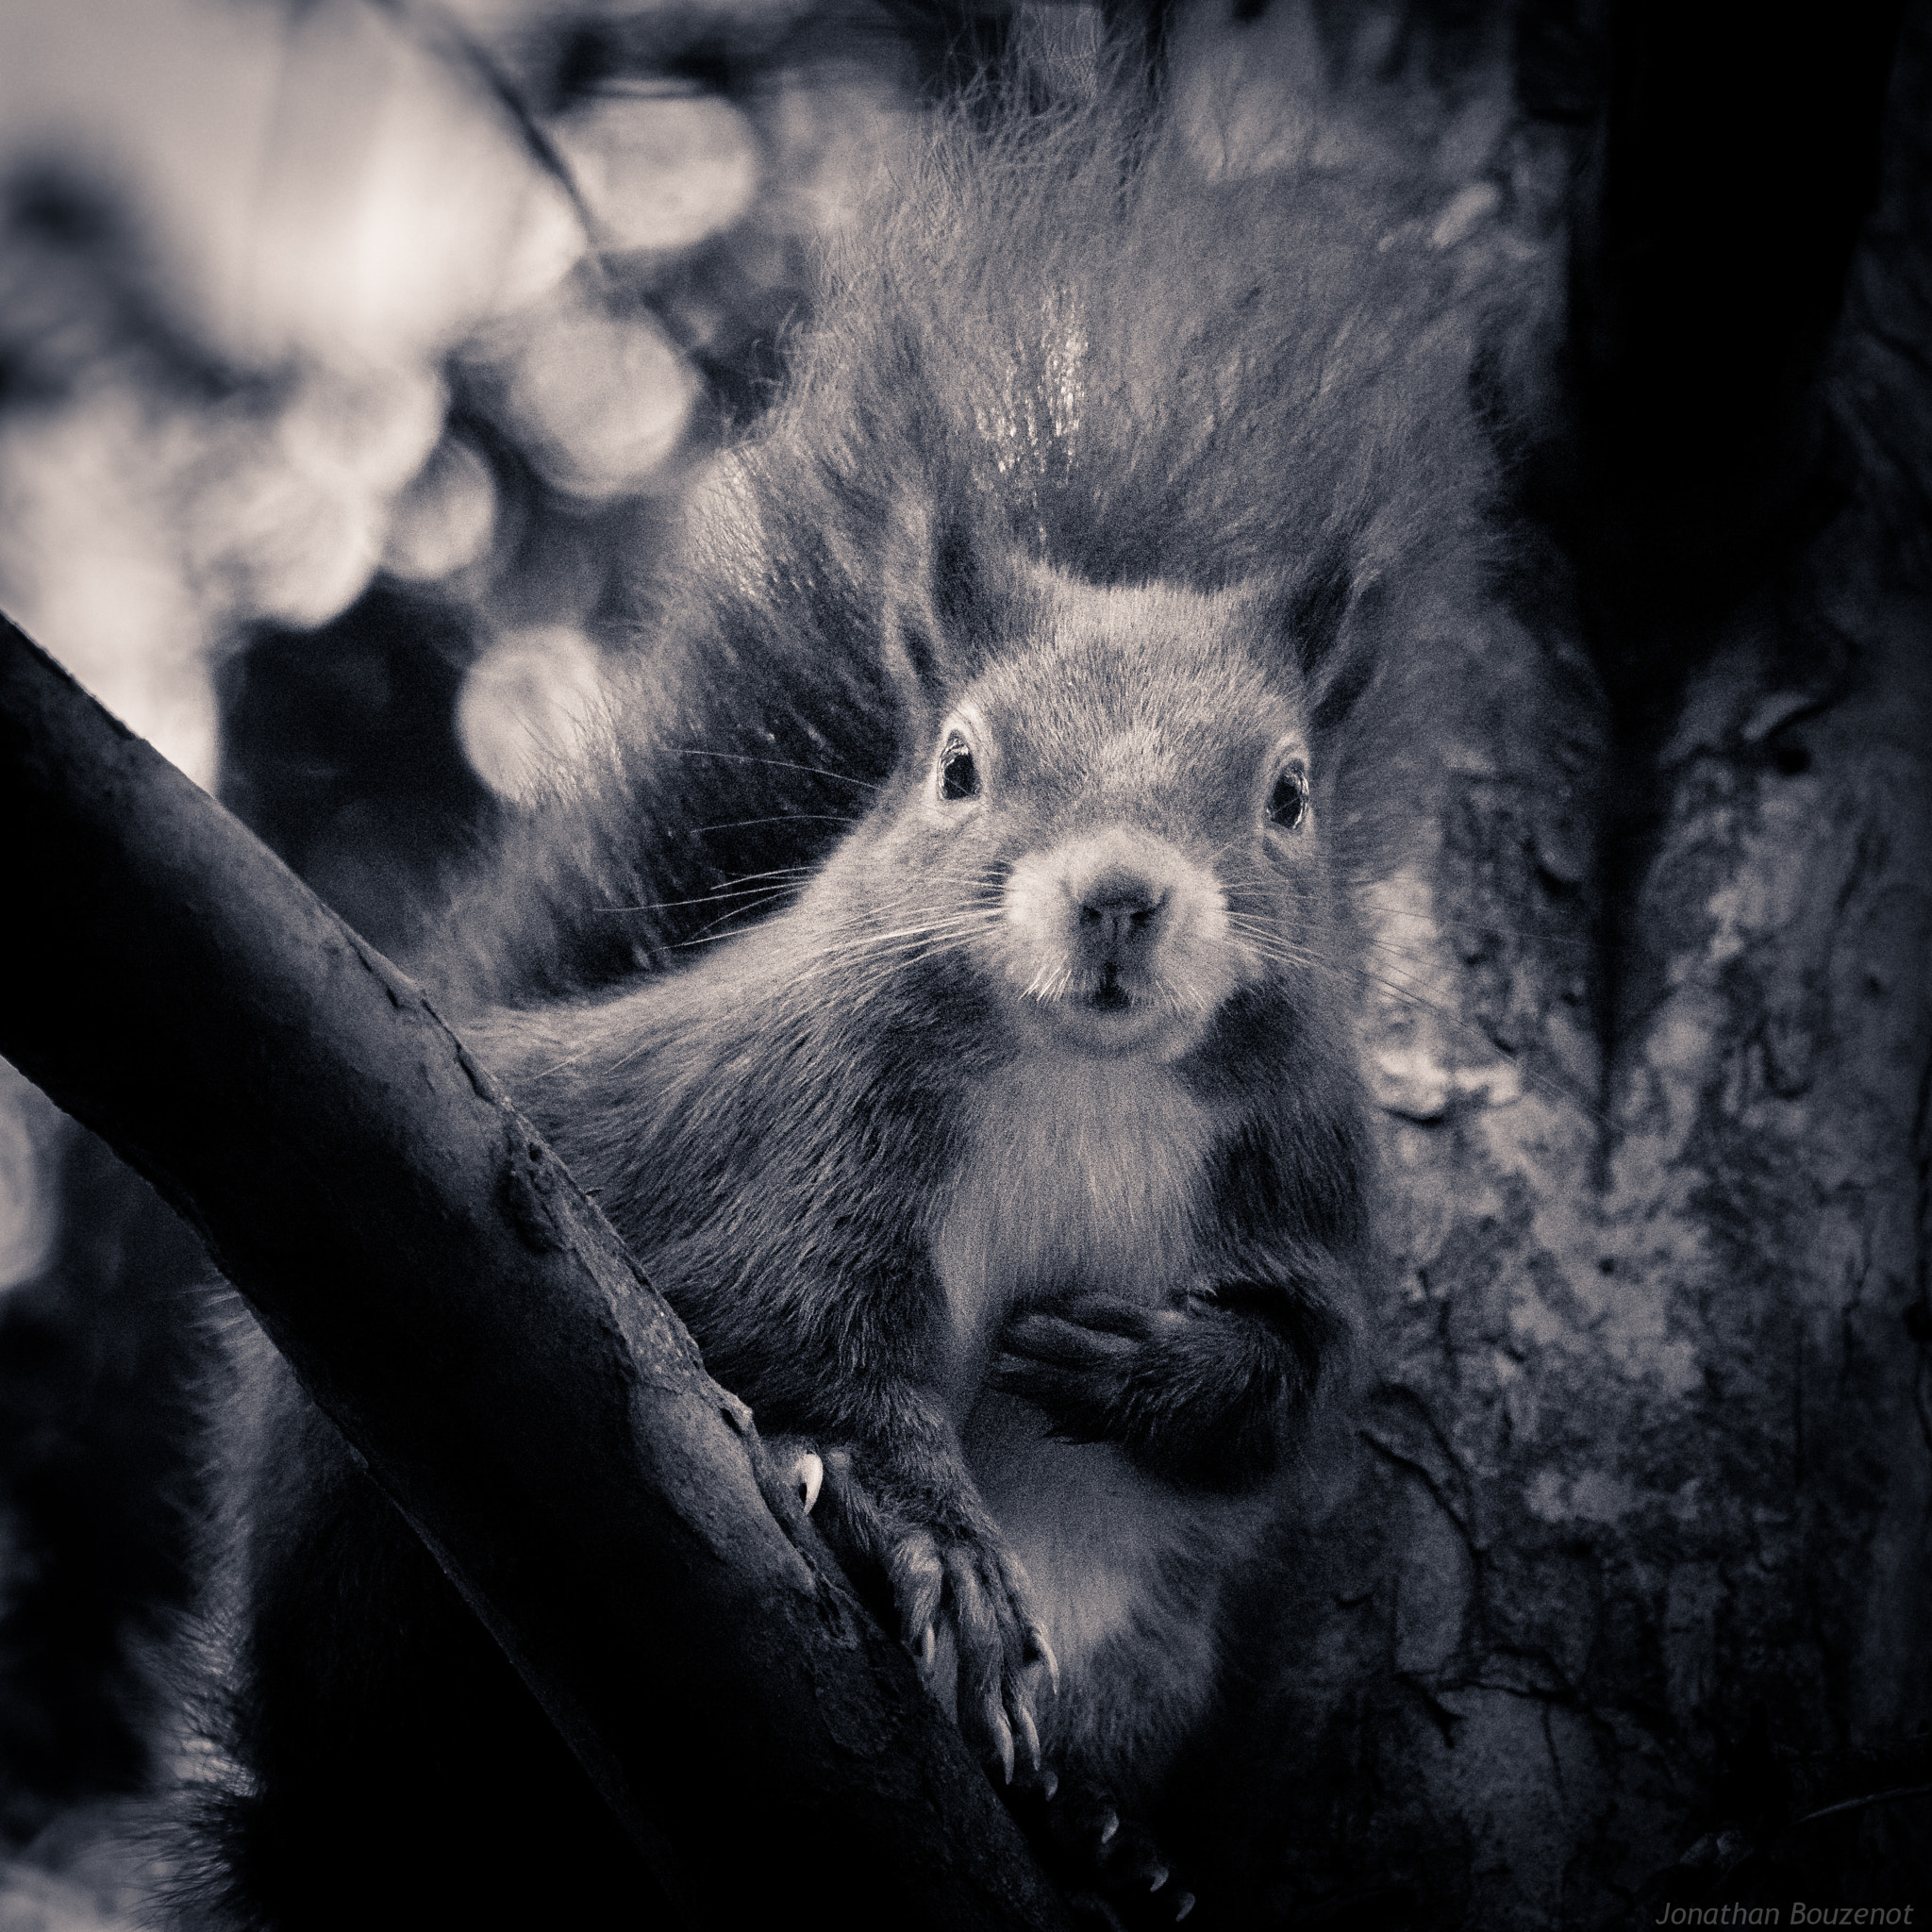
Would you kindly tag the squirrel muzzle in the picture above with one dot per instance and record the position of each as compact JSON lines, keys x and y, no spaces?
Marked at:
{"x":1120,"y":942}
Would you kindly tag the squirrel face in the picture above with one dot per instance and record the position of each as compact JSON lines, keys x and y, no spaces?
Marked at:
{"x":1127,"y":805}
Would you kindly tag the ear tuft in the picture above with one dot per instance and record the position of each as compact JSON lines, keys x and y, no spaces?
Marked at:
{"x":911,"y":630}
{"x":945,"y":609}
{"x":1313,"y":609}
{"x":1329,"y":624}
{"x":1352,"y":663}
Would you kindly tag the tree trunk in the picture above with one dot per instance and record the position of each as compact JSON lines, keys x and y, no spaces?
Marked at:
{"x":1636,"y":1560}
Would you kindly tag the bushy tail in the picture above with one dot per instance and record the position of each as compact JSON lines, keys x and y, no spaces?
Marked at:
{"x":1092,"y":330}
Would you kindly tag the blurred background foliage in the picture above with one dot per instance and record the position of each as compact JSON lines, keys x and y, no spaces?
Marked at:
{"x":392,"y":329}
{"x":352,"y":356}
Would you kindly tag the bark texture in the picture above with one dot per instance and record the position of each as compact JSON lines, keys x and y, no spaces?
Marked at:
{"x":1637,"y":1551}
{"x":1646,"y":1479}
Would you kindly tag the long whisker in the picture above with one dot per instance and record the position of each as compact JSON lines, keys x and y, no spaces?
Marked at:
{"x":1409,"y":991}
{"x":1375,"y":912}
{"x":745,"y":757}
{"x":783,"y":818}
{"x":708,"y":933}
{"x":871,"y":943}
{"x":742,"y":889}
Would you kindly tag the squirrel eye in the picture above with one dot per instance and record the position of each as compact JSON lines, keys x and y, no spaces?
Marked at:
{"x":1287,"y":803}
{"x":958,"y":776}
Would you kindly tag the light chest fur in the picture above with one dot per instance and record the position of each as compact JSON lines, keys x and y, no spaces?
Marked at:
{"x":1080,"y":1174}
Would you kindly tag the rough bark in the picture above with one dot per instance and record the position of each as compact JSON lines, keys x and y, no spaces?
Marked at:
{"x":1635,"y":1564}
{"x":1646,"y":1478}
{"x":384,"y":1208}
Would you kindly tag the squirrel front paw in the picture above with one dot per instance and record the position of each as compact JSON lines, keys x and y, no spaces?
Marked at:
{"x":1203,"y":1394}
{"x":961,"y":1598}
{"x":1096,"y":1365}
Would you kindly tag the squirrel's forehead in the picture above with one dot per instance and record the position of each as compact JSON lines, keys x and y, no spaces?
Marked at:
{"x":1137,"y":706}
{"x":1140,"y":754}
{"x":1158,"y":664}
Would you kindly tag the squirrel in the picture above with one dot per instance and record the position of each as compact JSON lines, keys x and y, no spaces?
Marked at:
{"x":1027,"y":676}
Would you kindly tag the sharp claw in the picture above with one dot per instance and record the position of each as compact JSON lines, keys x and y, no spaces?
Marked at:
{"x":1050,"y":1781}
{"x":809,"y":1473}
{"x":1003,"y":1735}
{"x":1031,"y":1735}
{"x":1187,"y":1906}
{"x":1039,"y":1651}
{"x":1110,"y":1826}
{"x":1160,"y":1875}
{"x":928,"y":1646}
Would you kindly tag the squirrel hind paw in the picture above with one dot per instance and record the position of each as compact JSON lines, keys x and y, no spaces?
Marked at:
{"x":1113,"y":1865}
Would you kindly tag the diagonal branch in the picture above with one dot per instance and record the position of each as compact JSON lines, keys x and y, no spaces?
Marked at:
{"x":470,"y":1323}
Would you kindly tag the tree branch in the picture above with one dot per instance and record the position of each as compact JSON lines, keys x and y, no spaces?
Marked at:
{"x":470,"y":1323}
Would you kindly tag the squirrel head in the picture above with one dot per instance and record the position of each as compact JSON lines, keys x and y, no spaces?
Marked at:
{"x":1118,"y":822}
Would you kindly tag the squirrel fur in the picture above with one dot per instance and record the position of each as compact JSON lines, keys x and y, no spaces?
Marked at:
{"x":1027,"y":676}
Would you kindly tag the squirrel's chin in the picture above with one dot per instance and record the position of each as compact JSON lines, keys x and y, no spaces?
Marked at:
{"x":1129,"y":1027}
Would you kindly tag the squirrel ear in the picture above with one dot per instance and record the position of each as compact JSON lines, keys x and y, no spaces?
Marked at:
{"x":1329,"y":624}
{"x":939,"y":612}
{"x":912,"y":626}
{"x":1365,"y":690}
{"x":1312,"y":606}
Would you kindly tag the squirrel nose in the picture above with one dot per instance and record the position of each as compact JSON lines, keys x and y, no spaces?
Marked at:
{"x":1116,"y":907}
